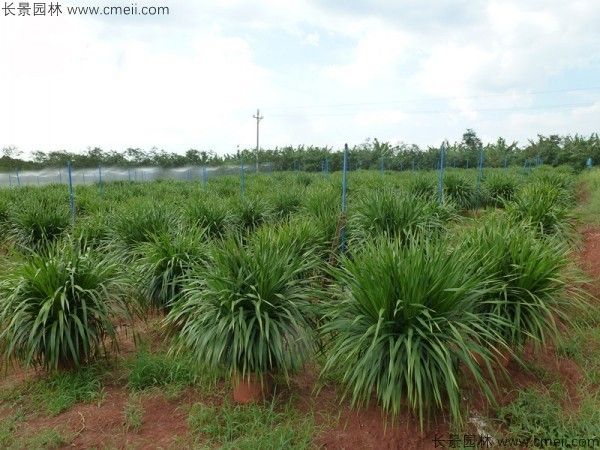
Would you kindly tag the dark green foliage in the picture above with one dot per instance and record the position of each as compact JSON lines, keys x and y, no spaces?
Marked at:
{"x":286,"y":202}
{"x":501,"y":187}
{"x":37,"y":222}
{"x":212,"y":214}
{"x":542,"y":206}
{"x":422,"y":185}
{"x":396,"y":215}
{"x":250,"y":311}
{"x":139,"y":222}
{"x":460,"y":191}
{"x":58,"y":309}
{"x":165,"y":262}
{"x":526,"y":276}
{"x":403,"y":321}
{"x":250,"y":212}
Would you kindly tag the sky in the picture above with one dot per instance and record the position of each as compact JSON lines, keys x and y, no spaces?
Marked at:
{"x":322,"y":73}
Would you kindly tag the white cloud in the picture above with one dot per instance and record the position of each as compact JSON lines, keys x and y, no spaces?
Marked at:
{"x":194,"y":78}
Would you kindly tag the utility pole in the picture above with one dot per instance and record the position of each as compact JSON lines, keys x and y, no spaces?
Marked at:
{"x":258,"y":118}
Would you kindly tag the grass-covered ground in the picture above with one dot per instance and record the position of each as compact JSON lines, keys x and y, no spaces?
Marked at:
{"x":167,"y":257}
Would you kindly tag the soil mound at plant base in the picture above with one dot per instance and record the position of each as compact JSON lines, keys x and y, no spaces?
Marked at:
{"x":252,"y":389}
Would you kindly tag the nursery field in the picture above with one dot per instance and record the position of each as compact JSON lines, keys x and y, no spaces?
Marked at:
{"x":423,"y":313}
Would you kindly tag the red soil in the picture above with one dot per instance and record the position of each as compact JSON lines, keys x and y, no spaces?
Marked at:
{"x":103,"y":425}
{"x":590,"y":258}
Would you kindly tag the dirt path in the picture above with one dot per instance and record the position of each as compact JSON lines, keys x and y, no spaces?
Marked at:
{"x":590,"y":258}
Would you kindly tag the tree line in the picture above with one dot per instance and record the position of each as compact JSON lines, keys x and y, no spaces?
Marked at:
{"x":372,"y":154}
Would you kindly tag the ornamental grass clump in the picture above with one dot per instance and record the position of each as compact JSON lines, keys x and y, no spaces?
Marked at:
{"x":250,"y":212}
{"x":324,"y":206}
{"x":460,"y":191}
{"x":422,"y":185}
{"x":286,"y":203}
{"x":36,"y":222}
{"x":527,"y":279}
{"x":249,"y":312}
{"x":542,"y":206}
{"x":397,"y":215}
{"x":501,"y":188}
{"x":58,"y":309}
{"x":212,"y":214}
{"x":137,"y":223}
{"x":402,"y":324}
{"x":165,"y":262}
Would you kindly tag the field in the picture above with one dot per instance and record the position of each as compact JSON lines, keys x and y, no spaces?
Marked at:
{"x":463,"y":316}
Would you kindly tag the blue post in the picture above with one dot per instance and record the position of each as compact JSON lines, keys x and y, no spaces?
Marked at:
{"x":467,"y":163}
{"x":83,"y":177}
{"x":242,"y":178}
{"x":9,"y":180}
{"x":60,"y":176}
{"x":204,"y":180}
{"x":381,"y":165}
{"x":270,"y":168}
{"x":71,"y":194}
{"x":129,"y":175}
{"x":413,"y":165}
{"x":505,"y":162}
{"x":344,"y":200}
{"x":441,"y":174}
{"x":100,"y":185}
{"x":588,"y":163}
{"x":18,"y":178}
{"x":480,"y":170}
